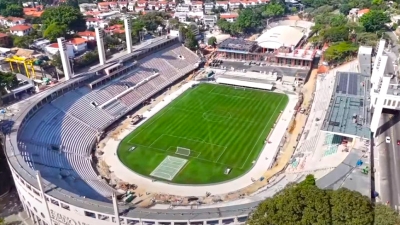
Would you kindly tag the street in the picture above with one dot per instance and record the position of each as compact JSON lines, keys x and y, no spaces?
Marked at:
{"x":389,"y":160}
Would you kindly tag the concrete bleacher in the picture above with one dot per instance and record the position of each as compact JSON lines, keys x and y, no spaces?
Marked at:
{"x":58,"y":138}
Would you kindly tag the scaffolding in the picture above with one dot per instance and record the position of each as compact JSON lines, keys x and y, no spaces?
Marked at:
{"x":28,"y":64}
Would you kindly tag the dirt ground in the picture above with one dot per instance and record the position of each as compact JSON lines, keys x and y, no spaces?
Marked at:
{"x":289,"y":147}
{"x":145,"y":199}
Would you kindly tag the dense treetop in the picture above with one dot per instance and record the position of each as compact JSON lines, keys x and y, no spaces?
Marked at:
{"x":305,"y":203}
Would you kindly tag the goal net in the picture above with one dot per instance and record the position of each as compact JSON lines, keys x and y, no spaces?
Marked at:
{"x":182,"y":151}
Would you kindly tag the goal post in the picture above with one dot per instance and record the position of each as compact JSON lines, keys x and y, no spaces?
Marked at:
{"x":182,"y":151}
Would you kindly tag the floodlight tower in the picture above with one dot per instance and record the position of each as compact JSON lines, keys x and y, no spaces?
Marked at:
{"x":128,"y":34}
{"x":62,"y":47}
{"x":100,"y":45}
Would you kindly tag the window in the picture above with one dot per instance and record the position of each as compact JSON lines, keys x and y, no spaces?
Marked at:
{"x":65,"y":206}
{"x":90,"y":214}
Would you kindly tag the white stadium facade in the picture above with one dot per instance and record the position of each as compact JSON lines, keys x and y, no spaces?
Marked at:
{"x":50,"y":143}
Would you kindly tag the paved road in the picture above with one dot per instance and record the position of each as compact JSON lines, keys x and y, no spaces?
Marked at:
{"x":389,"y":161}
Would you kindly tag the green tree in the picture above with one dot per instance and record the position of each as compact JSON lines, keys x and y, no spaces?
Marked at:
{"x":2,"y":221}
{"x":350,"y":208}
{"x":64,"y":15}
{"x":299,"y":204}
{"x":384,"y":215}
{"x":248,"y":20}
{"x":273,"y":10}
{"x":305,"y":203}
{"x":54,"y":31}
{"x":212,"y":41}
{"x":344,"y":9}
{"x":340,"y":52}
{"x":56,"y":61}
{"x":21,"y":41}
{"x":374,"y":20}
{"x":13,"y":10}
{"x":224,"y":25}
{"x":336,"y":34}
{"x":8,"y":81}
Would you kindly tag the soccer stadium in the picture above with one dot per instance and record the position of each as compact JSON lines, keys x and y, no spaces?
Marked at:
{"x":149,"y":138}
{"x":226,"y":125}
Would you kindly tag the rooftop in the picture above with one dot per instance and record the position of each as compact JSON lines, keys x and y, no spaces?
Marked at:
{"x":20,"y":28}
{"x":237,"y":44}
{"x":348,"y":111}
{"x":280,"y":36}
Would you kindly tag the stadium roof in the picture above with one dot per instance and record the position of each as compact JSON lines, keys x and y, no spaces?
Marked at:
{"x":237,"y":45}
{"x":280,"y":36}
{"x":348,"y":109}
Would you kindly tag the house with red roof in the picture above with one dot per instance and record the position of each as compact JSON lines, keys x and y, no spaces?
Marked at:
{"x":20,"y":30}
{"x":361,"y":12}
{"x":11,"y":21}
{"x":88,"y":35}
{"x":197,"y":6}
{"x":103,"y":6}
{"x":230,"y":17}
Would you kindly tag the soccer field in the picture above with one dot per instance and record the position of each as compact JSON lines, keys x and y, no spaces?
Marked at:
{"x":224,"y":127}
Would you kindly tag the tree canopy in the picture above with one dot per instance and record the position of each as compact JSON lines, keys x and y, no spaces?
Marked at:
{"x":8,"y":81}
{"x":212,"y":41}
{"x":54,"y":31}
{"x":340,"y":52}
{"x":251,"y":19}
{"x":14,"y":10}
{"x":64,"y":15}
{"x":305,"y":203}
{"x":374,"y":20}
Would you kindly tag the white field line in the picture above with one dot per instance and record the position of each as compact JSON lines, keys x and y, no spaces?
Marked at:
{"x":247,"y":158}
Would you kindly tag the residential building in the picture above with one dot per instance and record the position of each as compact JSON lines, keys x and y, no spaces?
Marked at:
{"x":223,"y":4}
{"x":115,"y":29}
{"x":88,"y":35}
{"x":34,"y":11}
{"x":252,"y":3}
{"x":140,"y":9}
{"x":131,"y":6}
{"x":361,"y":12}
{"x":103,"y":6}
{"x":208,"y":7}
{"x":53,"y":49}
{"x":153,"y":5}
{"x":263,"y":2}
{"x":172,"y":5}
{"x":79,"y":44}
{"x":142,"y":4}
{"x":4,"y":40}
{"x":20,"y":30}
{"x":210,"y":20}
{"x":230,"y":17}
{"x":121,"y":5}
{"x":197,"y":6}
{"x":182,"y":18}
{"x":235,"y":4}
{"x":84,"y":7}
{"x":163,"y":4}
{"x":92,"y":22}
{"x":183,"y":8}
{"x":11,"y":21}
{"x":114,"y":6}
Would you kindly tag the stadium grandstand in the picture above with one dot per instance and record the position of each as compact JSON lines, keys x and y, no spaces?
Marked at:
{"x":281,"y":50}
{"x":50,"y":146}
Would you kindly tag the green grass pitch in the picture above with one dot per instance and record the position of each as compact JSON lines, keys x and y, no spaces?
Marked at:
{"x":223,"y":127}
